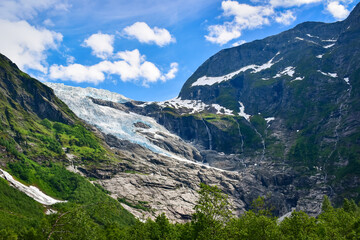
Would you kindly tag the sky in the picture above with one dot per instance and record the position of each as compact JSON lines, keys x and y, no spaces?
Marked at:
{"x":142,"y":49}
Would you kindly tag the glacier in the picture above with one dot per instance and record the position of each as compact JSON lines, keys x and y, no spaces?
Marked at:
{"x":107,"y":119}
{"x":113,"y":121}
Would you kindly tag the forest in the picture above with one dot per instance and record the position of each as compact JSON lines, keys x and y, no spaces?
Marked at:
{"x":213,"y":219}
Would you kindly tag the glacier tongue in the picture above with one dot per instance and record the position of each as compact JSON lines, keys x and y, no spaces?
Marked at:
{"x":114,"y":121}
{"x":79,"y":92}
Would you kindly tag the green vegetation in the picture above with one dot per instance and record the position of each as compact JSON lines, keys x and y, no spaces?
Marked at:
{"x":98,"y":218}
{"x":89,"y":209}
{"x":227,"y":98}
{"x":259,"y":123}
{"x":212,"y":220}
{"x":17,"y":210}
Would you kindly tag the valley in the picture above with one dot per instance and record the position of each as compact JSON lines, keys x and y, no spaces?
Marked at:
{"x":273,"y":120}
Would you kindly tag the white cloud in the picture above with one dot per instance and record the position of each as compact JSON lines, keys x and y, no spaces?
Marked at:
{"x":222,"y":34}
{"x":337,"y":10}
{"x":101,"y":44}
{"x":48,"y":22}
{"x":285,"y":18}
{"x":244,"y":17}
{"x":171,"y":73}
{"x":26,"y":45}
{"x":259,"y":13}
{"x":292,"y":3}
{"x":238,"y":43}
{"x":144,"y":34}
{"x":247,"y":16}
{"x":131,"y":67}
{"x":15,"y":10}
{"x":78,"y":73}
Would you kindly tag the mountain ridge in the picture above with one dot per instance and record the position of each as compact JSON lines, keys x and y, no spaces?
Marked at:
{"x":294,"y":98}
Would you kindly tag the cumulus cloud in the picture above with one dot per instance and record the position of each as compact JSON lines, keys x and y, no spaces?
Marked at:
{"x":27,"y":45}
{"x":285,"y":18}
{"x":259,"y":13}
{"x":101,"y":44}
{"x":291,"y":3}
{"x":337,"y":10}
{"x":24,"y":44}
{"x":78,"y":73}
{"x":244,"y":17}
{"x":144,"y":34}
{"x":171,"y":73}
{"x":247,"y":16}
{"x":131,"y":66}
{"x":222,"y":34}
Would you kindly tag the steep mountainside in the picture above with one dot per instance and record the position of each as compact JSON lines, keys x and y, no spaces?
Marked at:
{"x":291,"y":98}
{"x":39,"y":138}
{"x":161,"y":172}
{"x":277,"y":117}
{"x":142,"y":166}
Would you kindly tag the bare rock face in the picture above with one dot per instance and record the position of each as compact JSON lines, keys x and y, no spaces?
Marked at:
{"x":149,"y":184}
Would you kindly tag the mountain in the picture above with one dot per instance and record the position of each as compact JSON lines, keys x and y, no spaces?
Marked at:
{"x":291,"y":99}
{"x":160,"y":173}
{"x":276,"y":117}
{"x":41,"y":140}
{"x":146,"y":169}
{"x":304,"y":84}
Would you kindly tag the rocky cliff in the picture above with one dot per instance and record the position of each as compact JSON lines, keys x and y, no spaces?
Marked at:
{"x":292,"y":98}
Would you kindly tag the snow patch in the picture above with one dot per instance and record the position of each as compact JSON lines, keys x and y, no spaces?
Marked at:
{"x":333,"y":75}
{"x":298,"y":79}
{"x":301,"y":39}
{"x":320,"y":56}
{"x":329,"y":40}
{"x":329,"y":46}
{"x":31,"y":191}
{"x":290,"y":71}
{"x":205,"y":80}
{"x":309,"y":35}
{"x":242,"y":112}
{"x":347,"y":80}
{"x":193,"y":106}
{"x":269,"y":119}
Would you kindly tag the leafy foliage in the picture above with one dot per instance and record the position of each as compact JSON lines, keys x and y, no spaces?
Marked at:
{"x":212,"y":220}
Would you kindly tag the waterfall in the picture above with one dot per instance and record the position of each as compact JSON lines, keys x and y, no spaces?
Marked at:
{"x":263,"y":143}
{"x":345,"y":98}
{"x":208,"y":131}
{"x":241,"y":136}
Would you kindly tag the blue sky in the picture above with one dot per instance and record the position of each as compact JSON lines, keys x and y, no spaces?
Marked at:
{"x":142,"y":49}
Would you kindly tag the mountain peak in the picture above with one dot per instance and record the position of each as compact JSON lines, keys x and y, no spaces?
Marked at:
{"x":354,"y":16}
